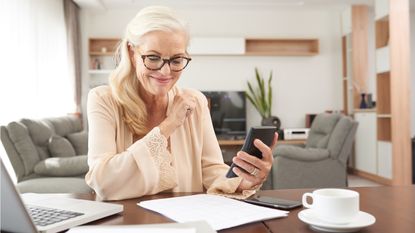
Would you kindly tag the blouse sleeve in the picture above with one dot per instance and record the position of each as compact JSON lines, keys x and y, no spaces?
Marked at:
{"x":144,"y":168}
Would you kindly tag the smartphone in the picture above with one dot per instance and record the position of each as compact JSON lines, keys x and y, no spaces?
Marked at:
{"x":274,"y":202}
{"x":263,"y":133}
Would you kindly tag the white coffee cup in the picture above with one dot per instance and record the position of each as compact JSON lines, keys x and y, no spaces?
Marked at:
{"x":338,"y":206}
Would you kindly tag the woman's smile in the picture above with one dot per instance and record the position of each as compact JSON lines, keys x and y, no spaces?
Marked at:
{"x":162,"y":80}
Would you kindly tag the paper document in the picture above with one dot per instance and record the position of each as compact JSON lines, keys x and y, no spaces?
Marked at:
{"x":188,"y":227}
{"x":220,"y":212}
{"x":128,"y":229}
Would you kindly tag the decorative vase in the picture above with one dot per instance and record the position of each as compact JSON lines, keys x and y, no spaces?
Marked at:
{"x":363,"y":103}
{"x":271,"y":121}
{"x":369,"y":100}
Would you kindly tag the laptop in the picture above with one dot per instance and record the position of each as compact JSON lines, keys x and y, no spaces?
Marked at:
{"x":26,"y":212}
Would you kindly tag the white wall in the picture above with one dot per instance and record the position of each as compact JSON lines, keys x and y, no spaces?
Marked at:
{"x":301,"y":84}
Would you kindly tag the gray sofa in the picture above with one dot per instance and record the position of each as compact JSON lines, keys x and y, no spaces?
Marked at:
{"x":48,"y":155}
{"x":323,"y":160}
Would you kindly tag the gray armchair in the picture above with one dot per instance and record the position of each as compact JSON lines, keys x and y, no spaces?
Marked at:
{"x":323,"y":160}
{"x":49,"y":155}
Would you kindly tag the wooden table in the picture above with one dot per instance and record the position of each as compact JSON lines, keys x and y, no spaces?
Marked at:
{"x":393,"y":207}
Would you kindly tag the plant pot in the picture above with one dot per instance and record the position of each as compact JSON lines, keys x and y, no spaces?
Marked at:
{"x":271,"y":121}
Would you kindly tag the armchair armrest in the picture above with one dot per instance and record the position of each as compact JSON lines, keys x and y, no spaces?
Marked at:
{"x":303,"y":154}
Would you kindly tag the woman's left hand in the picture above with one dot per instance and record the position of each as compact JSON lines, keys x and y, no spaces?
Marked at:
{"x":256,"y":170}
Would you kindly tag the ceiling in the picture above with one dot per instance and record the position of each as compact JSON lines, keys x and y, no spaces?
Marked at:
{"x":129,"y":4}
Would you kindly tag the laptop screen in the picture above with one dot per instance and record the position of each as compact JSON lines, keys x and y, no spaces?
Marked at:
{"x":12,"y":207}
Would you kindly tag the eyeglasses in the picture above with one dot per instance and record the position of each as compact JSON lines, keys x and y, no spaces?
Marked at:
{"x":154,"y":62}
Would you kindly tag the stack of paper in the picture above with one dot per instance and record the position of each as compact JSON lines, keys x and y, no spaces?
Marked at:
{"x":220,"y":212}
{"x":188,"y":227}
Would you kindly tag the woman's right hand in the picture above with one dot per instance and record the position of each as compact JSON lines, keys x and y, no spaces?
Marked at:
{"x":183,"y":106}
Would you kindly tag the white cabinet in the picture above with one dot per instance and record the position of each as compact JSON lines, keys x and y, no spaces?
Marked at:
{"x":382,"y":60}
{"x":365,"y":142}
{"x":371,"y":155}
{"x":385,"y":159}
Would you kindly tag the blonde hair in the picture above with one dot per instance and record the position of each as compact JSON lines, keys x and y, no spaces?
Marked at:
{"x":123,"y":81}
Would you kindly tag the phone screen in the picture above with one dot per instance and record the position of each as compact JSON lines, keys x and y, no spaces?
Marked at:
{"x":274,"y":202}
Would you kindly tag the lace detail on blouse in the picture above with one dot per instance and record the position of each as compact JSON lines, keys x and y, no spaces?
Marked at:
{"x":157,"y":144}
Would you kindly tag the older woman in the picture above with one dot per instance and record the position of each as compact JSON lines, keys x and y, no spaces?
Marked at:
{"x":148,"y":136}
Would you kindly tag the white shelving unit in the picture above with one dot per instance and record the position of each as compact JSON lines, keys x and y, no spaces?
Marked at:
{"x":366,"y":158}
{"x":383,"y":115}
{"x":101,"y":60}
{"x":382,"y":60}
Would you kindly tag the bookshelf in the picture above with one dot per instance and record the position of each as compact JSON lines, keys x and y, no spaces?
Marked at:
{"x":101,"y":59}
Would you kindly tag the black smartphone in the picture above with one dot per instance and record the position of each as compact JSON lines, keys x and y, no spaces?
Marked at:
{"x":263,"y":133}
{"x":274,"y":202}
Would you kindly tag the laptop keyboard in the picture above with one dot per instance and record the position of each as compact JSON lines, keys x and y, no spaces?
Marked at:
{"x":45,"y":216}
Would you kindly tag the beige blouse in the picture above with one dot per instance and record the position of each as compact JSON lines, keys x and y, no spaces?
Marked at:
{"x":121,"y":169}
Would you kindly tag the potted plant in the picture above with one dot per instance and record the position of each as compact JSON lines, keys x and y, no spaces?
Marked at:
{"x":261,"y":98}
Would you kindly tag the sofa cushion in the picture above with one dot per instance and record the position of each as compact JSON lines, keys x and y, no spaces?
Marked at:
{"x":12,"y":153}
{"x":40,"y":134}
{"x":20,"y":137}
{"x":65,"y":125}
{"x":79,"y":141}
{"x":38,"y":130}
{"x":339,"y":134}
{"x":71,"y":166}
{"x":321,"y":129}
{"x":54,"y":185}
{"x":60,"y":147}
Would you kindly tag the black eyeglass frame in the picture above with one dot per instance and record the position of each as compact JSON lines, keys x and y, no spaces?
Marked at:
{"x":188,"y":59}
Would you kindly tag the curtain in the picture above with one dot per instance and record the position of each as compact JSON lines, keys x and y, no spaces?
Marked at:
{"x":34,"y":80}
{"x":74,"y":49}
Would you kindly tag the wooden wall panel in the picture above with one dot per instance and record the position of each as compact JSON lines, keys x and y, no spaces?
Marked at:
{"x":360,"y":56}
{"x":400,"y":93}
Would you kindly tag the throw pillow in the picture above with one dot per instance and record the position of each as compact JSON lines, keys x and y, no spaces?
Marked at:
{"x":71,"y":166}
{"x":79,"y":141}
{"x":39,"y":131}
{"x":20,"y":137}
{"x":60,"y":147}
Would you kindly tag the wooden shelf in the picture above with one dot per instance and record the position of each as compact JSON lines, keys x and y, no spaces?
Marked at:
{"x":241,"y":142}
{"x":99,"y":71}
{"x":102,"y":46}
{"x":384,"y":129}
{"x":383,"y":104}
{"x":281,"y":47}
{"x":364,"y":110}
{"x":253,"y":47}
{"x":231,"y":142}
{"x":292,"y":142}
{"x":101,"y":54}
{"x":382,"y":32}
{"x":384,"y":115}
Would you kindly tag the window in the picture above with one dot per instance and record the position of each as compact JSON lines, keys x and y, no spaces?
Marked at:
{"x":34,"y":80}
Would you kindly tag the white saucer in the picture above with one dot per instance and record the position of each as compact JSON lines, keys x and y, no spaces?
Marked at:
{"x":363,"y":219}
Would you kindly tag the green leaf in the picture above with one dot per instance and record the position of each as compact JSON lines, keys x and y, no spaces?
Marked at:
{"x":261,"y":97}
{"x":270,"y":93}
{"x":253,"y":96}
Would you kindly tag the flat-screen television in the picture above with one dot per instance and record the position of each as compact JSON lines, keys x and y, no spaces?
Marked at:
{"x":228,"y":112}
